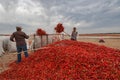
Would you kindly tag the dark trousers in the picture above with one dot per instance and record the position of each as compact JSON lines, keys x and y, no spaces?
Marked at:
{"x":19,"y":50}
{"x":73,"y":39}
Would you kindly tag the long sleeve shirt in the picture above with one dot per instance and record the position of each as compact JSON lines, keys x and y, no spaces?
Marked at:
{"x":19,"y":38}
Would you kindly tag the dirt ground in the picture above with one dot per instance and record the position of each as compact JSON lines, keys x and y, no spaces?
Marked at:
{"x":7,"y":58}
{"x":112,"y":43}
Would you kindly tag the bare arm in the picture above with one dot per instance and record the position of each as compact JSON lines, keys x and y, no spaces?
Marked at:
{"x":72,"y":33}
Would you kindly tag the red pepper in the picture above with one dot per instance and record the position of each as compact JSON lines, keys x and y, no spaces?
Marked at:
{"x":40,"y":32}
{"x":59,"y":28}
{"x":68,"y":60}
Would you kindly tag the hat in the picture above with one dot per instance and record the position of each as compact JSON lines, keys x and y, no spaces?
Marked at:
{"x":18,"y":28}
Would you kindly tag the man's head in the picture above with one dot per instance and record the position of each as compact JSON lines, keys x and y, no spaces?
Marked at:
{"x":18,"y":28}
{"x":74,"y":28}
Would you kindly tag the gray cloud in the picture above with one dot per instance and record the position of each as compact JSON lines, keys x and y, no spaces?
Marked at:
{"x":88,"y":16}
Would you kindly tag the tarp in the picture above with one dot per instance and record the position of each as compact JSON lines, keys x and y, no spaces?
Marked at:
{"x":10,"y":46}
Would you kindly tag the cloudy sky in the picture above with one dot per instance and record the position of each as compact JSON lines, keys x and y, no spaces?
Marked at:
{"x":89,"y":16}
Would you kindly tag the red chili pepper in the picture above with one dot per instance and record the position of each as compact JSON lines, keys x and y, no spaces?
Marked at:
{"x":68,"y":60}
{"x":59,"y":28}
{"x":40,"y":32}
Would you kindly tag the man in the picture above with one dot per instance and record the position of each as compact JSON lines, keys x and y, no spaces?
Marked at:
{"x":74,"y":34}
{"x":20,"y":37}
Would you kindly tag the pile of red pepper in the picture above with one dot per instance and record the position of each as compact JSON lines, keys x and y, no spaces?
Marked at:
{"x":68,"y":60}
{"x":40,"y":32}
{"x":59,"y":28}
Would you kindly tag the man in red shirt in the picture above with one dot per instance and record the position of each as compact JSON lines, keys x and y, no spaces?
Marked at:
{"x":20,"y":37}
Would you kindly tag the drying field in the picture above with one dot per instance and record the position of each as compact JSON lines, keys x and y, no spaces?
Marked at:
{"x":112,"y":42}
